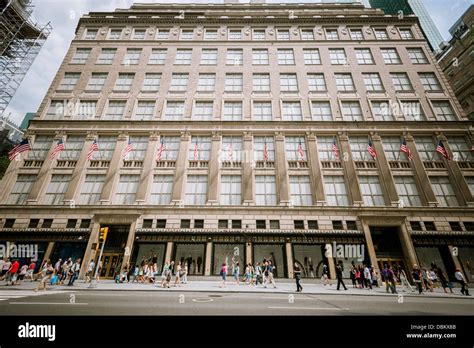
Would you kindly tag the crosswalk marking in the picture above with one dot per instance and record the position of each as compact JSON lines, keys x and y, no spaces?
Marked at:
{"x":6,"y":295}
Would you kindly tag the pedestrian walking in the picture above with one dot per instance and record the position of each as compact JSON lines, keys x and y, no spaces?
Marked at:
{"x":11,"y":275}
{"x":90,"y":271}
{"x":404,"y":280}
{"x":417,"y":278}
{"x":74,"y":272}
{"x":325,"y":276}
{"x":297,"y":272}
{"x":46,"y":274}
{"x":258,"y":274}
{"x":445,"y":284}
{"x":185,"y":273}
{"x":428,"y":284}
{"x":177,"y":273}
{"x":367,"y":277}
{"x":353,"y":275}
{"x":223,"y":274}
{"x":6,"y":266}
{"x":460,"y":278}
{"x":269,"y":275}
{"x":339,"y":275}
{"x":235,"y":272}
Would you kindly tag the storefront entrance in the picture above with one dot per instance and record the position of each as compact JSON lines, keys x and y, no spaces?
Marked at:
{"x":395,"y":264}
{"x":111,"y":264}
{"x":193,"y":255}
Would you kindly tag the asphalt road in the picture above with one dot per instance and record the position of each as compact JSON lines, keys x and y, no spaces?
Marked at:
{"x":207,"y":303}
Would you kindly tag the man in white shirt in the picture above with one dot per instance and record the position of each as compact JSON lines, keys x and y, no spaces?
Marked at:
{"x":75,"y":272}
{"x":90,"y":271}
{"x":460,"y":278}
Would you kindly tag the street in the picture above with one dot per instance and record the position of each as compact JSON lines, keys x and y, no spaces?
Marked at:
{"x":102,"y":302}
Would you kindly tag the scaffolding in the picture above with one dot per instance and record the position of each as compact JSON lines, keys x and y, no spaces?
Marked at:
{"x":20,"y":42}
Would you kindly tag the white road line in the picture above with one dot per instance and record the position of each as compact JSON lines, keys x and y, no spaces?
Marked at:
{"x":310,"y":308}
{"x":47,"y":303}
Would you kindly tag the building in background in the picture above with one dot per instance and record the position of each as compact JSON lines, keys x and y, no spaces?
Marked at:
{"x":26,"y":120}
{"x":240,"y":132}
{"x":412,"y":7}
{"x":14,"y":133}
{"x":457,"y":60}
{"x":21,"y":40}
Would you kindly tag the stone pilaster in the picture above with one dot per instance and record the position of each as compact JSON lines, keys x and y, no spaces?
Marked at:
{"x":350,"y":170}
{"x":315,"y":170}
{"x":247,"y":170}
{"x":281,"y":170}
{"x":112,"y":176}
{"x":149,"y":164}
{"x":386,"y":178}
{"x":214,"y":166}
{"x":180,"y":173}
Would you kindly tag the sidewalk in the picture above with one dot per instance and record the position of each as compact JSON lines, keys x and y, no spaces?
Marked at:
{"x":284,"y":286}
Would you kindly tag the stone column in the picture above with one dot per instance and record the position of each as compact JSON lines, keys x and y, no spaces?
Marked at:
{"x":385,"y":174}
{"x":149,"y":164}
{"x":281,"y":170}
{"x":49,"y":251}
{"x":180,"y":173}
{"x":90,"y":253}
{"x":248,"y":253}
{"x":332,"y":267}
{"x":130,"y":243}
{"x":208,"y":260}
{"x":247,"y":169}
{"x":315,"y":170}
{"x":289,"y":259}
{"x":407,"y":246}
{"x":169,"y":251}
{"x":370,"y":247}
{"x":421,"y":177}
{"x":79,"y":172}
{"x":112,"y":174}
{"x":350,"y":170}
{"x":455,"y":258}
{"x":214,"y":166}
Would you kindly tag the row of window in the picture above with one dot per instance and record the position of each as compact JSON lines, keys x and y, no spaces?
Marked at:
{"x":230,"y":190}
{"x":260,"y":56}
{"x":261,"y":110}
{"x":295,"y":147}
{"x":47,"y":223}
{"x":431,"y":226}
{"x":257,"y":34}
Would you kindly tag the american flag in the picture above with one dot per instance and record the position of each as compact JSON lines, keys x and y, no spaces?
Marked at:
{"x":442,"y":150}
{"x":161,"y":150}
{"x":23,"y":146}
{"x":94,"y":147}
{"x":265,"y":153}
{"x":128,"y":149}
{"x":230,"y":152}
{"x":335,"y":150}
{"x":196,"y":151}
{"x":58,"y":148}
{"x":301,"y":151}
{"x":404,"y":148}
{"x":371,"y":150}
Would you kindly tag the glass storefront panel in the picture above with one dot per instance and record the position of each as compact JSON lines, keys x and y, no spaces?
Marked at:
{"x":310,"y":259}
{"x":430,"y":255}
{"x":226,"y":253}
{"x":193,"y":254}
{"x":150,"y":253}
{"x":466,"y":258}
{"x":273,"y":252}
{"x":26,"y":260}
{"x":68,"y":250}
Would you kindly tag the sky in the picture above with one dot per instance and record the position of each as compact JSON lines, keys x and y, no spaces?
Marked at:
{"x":64,"y":15}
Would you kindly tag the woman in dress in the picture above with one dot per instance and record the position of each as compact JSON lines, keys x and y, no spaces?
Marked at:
{"x":223,"y":274}
{"x":177,"y":278}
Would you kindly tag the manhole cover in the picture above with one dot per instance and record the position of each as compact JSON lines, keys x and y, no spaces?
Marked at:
{"x":215,"y":295}
{"x":202,"y":300}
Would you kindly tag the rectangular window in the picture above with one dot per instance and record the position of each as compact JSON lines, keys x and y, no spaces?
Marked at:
{"x":460,"y":149}
{"x":127,"y":189}
{"x":337,"y":56}
{"x":258,"y":34}
{"x":351,"y":111}
{"x":261,"y":82}
{"x":391,"y":147}
{"x":407,"y":191}
{"x":187,"y":34}
{"x":40,"y":147}
{"x":22,"y":188}
{"x":425,"y":147}
{"x":57,"y":188}
{"x":260,"y":56}
{"x":139,"y":34}
{"x":298,"y":224}
{"x":429,"y":81}
{"x":358,"y":147}
{"x":401,"y":82}
{"x":81,"y":55}
{"x":140,"y":145}
{"x":406,"y":34}
{"x":162,"y":34}
{"x":183,"y":56}
{"x":157,"y":56}
{"x":91,"y":189}
{"x":86,"y":109}
{"x":372,"y":82}
{"x":417,"y":55}
{"x":288,"y":83}
{"x":292,"y":111}
{"x":275,"y":224}
{"x":364,"y":56}
{"x":332,"y":34}
{"x":124,"y":82}
{"x":259,"y":148}
{"x":223,"y":224}
{"x":171,"y":145}
{"x":231,"y":190}
{"x":73,"y":147}
{"x":106,"y":56}
{"x":210,"y":35}
{"x":292,"y":148}
{"x":321,"y":111}
{"x":145,"y":110}
{"x":261,"y":224}
{"x":203,"y":111}
{"x":311,"y":56}
{"x":174,"y":110}
{"x":300,"y":190}
{"x":307,"y":34}
{"x":203,"y":144}
{"x":390,"y":56}
{"x":161,"y":189}
{"x":33,"y":223}
{"x":356,"y":34}
{"x":412,"y":110}
{"x":196,"y":190}
{"x":69,"y":81}
{"x":179,"y":82}
{"x":285,"y":56}
{"x":132,"y":57}
{"x":317,"y":82}
{"x":152,"y":82}
{"x":232,"y":111}
{"x":185,"y":223}
{"x":344,"y":82}
{"x":443,"y":110}
{"x":234,"y":57}
{"x":262,"y":111}
{"x":106,"y":148}
{"x":371,"y":190}
{"x":335,"y":190}
{"x":235,"y":34}
{"x":97,"y":82}
{"x":325,"y":148}
{"x":231,"y":148}
{"x":233,"y":82}
{"x":444,"y":191}
{"x":91,"y":34}
{"x":381,"y":110}
{"x":265,"y":190}
{"x":161,"y":223}
{"x":415,"y":226}
{"x":115,"y":110}
{"x":114,"y":34}
{"x":313,"y":225}
{"x":283,"y":34}
{"x":206,"y":82}
{"x":381,"y":34}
